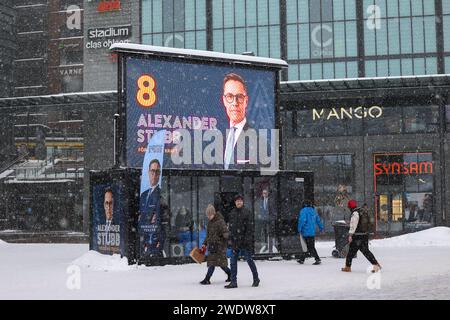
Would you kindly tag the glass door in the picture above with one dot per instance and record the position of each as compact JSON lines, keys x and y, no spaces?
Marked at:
{"x":390,"y":212}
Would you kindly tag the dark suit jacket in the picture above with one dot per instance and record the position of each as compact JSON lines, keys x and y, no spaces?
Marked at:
{"x":241,"y":160}
{"x":148,"y":204}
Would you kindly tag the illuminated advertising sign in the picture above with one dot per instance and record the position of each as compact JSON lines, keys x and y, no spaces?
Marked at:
{"x":109,"y":6}
{"x":215,"y":116}
{"x":404,"y":168}
{"x":403,"y":164}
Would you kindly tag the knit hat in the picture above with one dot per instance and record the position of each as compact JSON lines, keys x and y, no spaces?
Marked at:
{"x":352,"y":204}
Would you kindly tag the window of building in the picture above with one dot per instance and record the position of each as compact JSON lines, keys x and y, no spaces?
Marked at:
{"x":247,"y":26}
{"x":31,"y":19}
{"x":395,"y":30}
{"x":333,"y":184}
{"x":29,"y":73}
{"x":390,"y":122}
{"x":446,"y":28}
{"x":421,"y":119}
{"x":174,"y":23}
{"x":30,"y":48}
{"x":321,"y":34}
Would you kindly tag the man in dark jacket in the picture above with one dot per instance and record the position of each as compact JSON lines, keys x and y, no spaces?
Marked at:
{"x":241,"y":240}
{"x":358,"y":237}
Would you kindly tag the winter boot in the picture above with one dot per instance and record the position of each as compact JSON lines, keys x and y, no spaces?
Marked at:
{"x":205,"y":281}
{"x":376,"y":268}
{"x":301,"y":260}
{"x":228,"y":278}
{"x":317,"y":262}
{"x":231,"y":285}
{"x":346,"y":269}
{"x":255,"y":283}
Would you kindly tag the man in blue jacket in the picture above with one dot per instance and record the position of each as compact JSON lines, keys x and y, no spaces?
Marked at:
{"x":307,"y":220}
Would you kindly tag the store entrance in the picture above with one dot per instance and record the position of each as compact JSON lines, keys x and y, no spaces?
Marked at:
{"x":390,"y":212}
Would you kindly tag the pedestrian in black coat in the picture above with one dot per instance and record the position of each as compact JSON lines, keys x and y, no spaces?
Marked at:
{"x":241,"y":240}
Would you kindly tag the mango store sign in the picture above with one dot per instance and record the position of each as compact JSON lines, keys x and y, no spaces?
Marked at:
{"x":372,"y":112}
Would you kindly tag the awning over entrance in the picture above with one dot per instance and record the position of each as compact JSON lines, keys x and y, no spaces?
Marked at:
{"x":362,"y":87}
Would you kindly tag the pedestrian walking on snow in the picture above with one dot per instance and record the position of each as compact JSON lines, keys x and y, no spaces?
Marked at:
{"x":307,"y":220}
{"x":216,"y":240}
{"x":358,"y":237}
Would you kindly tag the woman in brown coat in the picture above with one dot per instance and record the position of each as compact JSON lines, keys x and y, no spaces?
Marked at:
{"x":216,"y":241}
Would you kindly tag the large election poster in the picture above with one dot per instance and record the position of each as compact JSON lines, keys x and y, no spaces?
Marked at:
{"x":151,"y":234}
{"x":215,"y":116}
{"x":108,"y":227}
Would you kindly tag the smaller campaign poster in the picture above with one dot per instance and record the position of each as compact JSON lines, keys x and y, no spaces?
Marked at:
{"x":151,"y":235}
{"x":107,"y":221}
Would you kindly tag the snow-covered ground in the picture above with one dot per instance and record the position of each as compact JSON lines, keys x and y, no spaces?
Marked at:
{"x":415,"y":266}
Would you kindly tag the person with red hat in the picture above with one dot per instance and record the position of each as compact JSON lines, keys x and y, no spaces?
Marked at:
{"x":358,"y":237}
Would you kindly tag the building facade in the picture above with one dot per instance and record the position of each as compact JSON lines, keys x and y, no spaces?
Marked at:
{"x":7,"y":47}
{"x":50,"y":38}
{"x":379,"y":141}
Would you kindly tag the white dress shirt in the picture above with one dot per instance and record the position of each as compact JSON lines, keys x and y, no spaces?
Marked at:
{"x":229,"y":149}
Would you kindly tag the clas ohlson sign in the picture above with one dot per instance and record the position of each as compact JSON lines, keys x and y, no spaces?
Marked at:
{"x":343,"y":113}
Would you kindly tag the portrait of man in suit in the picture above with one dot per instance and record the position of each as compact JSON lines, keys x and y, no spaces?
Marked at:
{"x":106,"y":225}
{"x":265,"y":223}
{"x":235,"y":101}
{"x":150,"y":213}
{"x":108,"y":205}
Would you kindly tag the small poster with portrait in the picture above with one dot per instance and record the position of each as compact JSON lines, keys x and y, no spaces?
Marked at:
{"x":107,"y":220}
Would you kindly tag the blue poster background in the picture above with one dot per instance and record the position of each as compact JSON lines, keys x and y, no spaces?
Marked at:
{"x":105,"y":239}
{"x":192,"y":90}
{"x":151,"y":234}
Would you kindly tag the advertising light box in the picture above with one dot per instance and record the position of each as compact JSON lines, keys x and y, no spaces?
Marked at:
{"x":215,"y":114}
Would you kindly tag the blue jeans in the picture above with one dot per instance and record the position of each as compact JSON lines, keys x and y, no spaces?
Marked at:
{"x":212,"y":268}
{"x":248,"y":257}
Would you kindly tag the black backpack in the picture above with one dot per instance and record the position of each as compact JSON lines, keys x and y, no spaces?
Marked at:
{"x":364,"y":223}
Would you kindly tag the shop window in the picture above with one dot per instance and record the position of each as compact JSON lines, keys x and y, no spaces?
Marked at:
{"x":389,"y":122}
{"x":182,"y":217}
{"x":404,"y":188}
{"x":333,"y":184}
{"x":421,"y":119}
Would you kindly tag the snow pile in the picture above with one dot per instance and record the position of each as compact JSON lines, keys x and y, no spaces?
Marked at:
{"x":3,"y":243}
{"x":96,"y":261}
{"x":439,"y":237}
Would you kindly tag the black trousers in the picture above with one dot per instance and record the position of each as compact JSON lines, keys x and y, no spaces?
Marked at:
{"x":361,"y":243}
{"x":310,"y":243}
